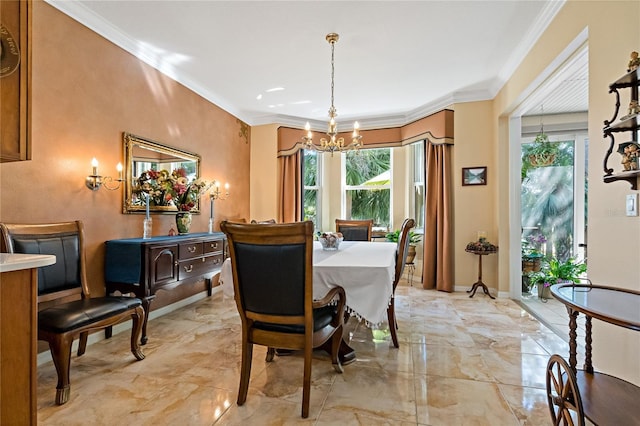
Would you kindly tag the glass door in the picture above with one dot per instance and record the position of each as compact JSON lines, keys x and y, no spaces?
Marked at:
{"x":553,"y":201}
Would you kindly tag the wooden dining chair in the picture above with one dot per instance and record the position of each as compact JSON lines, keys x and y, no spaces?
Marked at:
{"x":65,"y":309}
{"x":355,"y":230}
{"x":273,"y":281}
{"x":401,"y":257}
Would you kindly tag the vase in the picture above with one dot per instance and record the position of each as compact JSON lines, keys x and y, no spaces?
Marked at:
{"x":183,"y":222}
{"x":411,"y":254}
{"x":544,"y":293}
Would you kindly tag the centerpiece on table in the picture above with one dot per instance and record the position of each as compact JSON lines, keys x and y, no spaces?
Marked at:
{"x":482,"y":246}
{"x":172,"y":189}
{"x":330,"y":240}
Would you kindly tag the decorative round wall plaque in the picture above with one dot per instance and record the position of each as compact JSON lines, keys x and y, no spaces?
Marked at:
{"x":9,"y":52}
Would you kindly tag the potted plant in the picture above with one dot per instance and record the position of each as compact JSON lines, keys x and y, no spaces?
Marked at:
{"x":532,"y":253}
{"x":414,"y":239}
{"x":555,"y":271}
{"x":540,"y":153}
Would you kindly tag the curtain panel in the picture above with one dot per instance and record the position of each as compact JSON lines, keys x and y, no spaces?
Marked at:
{"x":290,"y":188}
{"x":438,"y":269}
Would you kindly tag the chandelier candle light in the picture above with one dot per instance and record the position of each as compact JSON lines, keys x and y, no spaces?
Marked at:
{"x":333,"y":143}
{"x":216,"y":195}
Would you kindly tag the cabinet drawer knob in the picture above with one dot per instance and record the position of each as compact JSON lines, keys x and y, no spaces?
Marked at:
{"x":191,"y":249}
{"x":188,"y":268}
{"x":216,"y":262}
{"x":214,"y":245}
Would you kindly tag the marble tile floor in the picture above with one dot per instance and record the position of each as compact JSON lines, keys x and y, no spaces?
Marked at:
{"x":461,"y":361}
{"x":553,"y":314}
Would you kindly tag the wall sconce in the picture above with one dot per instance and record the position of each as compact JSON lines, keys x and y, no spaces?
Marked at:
{"x":215,"y":194}
{"x":94,"y":181}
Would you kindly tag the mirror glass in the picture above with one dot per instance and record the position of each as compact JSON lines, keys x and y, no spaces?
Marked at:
{"x":144,"y":155}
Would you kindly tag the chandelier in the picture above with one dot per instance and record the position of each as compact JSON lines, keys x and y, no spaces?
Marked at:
{"x":333,"y":143}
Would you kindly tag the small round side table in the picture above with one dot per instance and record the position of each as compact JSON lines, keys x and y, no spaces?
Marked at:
{"x":479,"y":283}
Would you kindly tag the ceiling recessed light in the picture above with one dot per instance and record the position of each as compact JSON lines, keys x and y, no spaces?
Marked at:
{"x":259,"y":96}
{"x":275,"y":89}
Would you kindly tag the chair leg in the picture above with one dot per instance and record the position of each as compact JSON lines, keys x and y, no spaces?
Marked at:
{"x":306,"y":383}
{"x":336,"y":340}
{"x":270,"y":354}
{"x":82,"y":343}
{"x":137,"y":317}
{"x":245,"y":371}
{"x":60,"y":347}
{"x":393,"y":325}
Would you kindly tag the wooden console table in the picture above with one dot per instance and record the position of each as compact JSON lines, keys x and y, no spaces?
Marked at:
{"x":144,"y":266}
{"x":601,"y":398}
{"x":479,"y":283}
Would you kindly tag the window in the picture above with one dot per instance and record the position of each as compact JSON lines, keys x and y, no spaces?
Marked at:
{"x":418,"y":178}
{"x":312,"y":172}
{"x":367,"y":185}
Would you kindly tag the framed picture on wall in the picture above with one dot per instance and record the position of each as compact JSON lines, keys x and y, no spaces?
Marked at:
{"x":474,"y":176}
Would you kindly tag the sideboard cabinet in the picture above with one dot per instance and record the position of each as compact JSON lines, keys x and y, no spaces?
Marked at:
{"x":144,"y":266}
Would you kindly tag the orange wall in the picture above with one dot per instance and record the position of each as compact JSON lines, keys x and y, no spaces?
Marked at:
{"x":86,"y":93}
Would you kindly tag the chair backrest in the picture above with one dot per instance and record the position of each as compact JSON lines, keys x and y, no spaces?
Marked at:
{"x":403,"y":248}
{"x":272,"y":271}
{"x":355,"y":230}
{"x":263,"y":222}
{"x":66,"y":277}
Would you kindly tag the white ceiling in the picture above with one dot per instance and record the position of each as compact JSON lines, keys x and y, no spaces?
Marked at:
{"x":396,"y":61}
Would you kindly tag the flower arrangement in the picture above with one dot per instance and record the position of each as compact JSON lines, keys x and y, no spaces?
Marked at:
{"x":482,"y":245}
{"x":171,"y":189}
{"x":330,"y":240}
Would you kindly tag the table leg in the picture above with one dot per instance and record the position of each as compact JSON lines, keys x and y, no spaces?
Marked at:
{"x":573,"y":335}
{"x":479,"y":283}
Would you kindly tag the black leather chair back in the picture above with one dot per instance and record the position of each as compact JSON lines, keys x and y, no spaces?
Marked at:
{"x":62,"y":275}
{"x":271,"y":278}
{"x":354,"y":233}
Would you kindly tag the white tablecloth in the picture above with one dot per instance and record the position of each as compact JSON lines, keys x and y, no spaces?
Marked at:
{"x":364,"y":269}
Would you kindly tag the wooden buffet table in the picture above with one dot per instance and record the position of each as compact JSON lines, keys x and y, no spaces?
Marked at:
{"x":603,"y":399}
{"x":145,"y":266}
{"x":18,"y":336}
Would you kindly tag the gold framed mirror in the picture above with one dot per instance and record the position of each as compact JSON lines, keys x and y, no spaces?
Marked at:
{"x":143,"y":155}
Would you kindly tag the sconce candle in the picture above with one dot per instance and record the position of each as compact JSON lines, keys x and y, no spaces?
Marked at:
{"x":94,"y":165}
{"x":215,"y":195}
{"x":94,"y":181}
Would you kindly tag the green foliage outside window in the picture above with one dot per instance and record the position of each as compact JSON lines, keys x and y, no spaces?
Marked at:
{"x":369,"y":171}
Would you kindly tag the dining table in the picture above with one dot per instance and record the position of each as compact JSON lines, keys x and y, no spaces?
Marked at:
{"x":366,"y":271}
